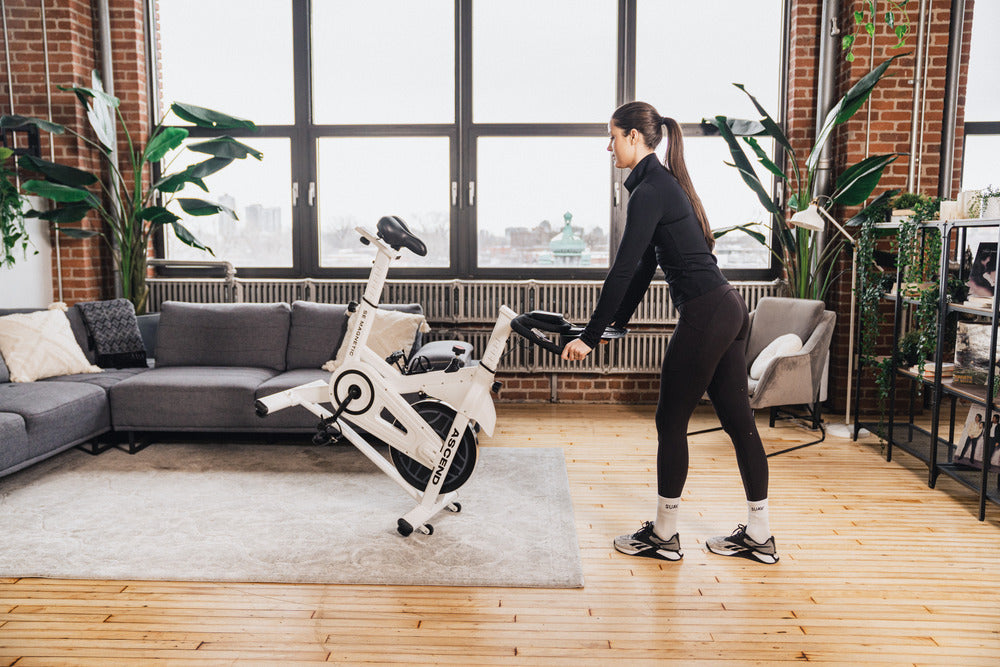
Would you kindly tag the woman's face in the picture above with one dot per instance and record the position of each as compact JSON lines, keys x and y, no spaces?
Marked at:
{"x":623,"y":146}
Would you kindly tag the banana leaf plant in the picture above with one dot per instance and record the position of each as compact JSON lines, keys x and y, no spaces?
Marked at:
{"x":133,"y":206}
{"x":808,"y":264}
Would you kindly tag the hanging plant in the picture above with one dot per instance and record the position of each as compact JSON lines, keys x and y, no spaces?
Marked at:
{"x":13,"y":234}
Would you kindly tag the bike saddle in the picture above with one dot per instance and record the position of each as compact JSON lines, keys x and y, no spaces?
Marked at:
{"x":537,"y":323}
{"x":394,"y":231}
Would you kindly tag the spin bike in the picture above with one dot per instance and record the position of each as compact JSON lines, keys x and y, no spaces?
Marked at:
{"x":433,"y":440}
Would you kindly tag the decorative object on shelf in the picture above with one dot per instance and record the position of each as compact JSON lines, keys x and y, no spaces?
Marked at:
{"x":13,"y":235}
{"x":950,"y":210}
{"x":131,"y":211}
{"x":808,"y":262}
{"x":983,"y":276}
{"x":968,"y":206}
{"x":972,"y":353}
{"x":987,"y":203}
{"x":976,"y":437}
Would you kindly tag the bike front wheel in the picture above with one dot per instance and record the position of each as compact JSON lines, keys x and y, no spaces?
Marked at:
{"x":440,"y":417}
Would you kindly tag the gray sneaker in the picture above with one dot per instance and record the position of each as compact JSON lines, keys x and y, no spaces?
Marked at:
{"x":647,"y":543}
{"x":740,"y":544}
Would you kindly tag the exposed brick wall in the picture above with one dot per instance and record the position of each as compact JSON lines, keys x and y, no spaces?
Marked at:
{"x":73,"y":51}
{"x":579,"y":388}
{"x":891,"y":117}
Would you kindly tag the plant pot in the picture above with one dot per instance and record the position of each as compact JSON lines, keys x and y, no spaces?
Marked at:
{"x":991,"y":208}
{"x":900,"y":215}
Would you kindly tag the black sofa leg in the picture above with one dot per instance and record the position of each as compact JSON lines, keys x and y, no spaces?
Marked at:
{"x":95,"y":448}
{"x":136,"y":444}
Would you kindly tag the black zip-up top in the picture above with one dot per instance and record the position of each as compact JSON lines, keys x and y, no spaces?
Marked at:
{"x":660,"y":228}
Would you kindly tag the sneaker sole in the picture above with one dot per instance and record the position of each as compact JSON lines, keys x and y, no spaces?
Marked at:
{"x":750,"y":554}
{"x":658,"y":554}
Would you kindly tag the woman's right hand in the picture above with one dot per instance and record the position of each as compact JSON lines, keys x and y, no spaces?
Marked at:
{"x":575,"y":350}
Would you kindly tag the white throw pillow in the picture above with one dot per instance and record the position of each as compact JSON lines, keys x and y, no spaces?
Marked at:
{"x":40,"y":345}
{"x":782,"y":346}
{"x":392,"y":330}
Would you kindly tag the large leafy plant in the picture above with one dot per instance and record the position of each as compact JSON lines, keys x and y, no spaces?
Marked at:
{"x":808,"y":263}
{"x":132,"y":205}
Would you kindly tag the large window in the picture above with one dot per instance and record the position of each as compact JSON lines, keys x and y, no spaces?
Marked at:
{"x":482,"y":124}
{"x":982,"y":102}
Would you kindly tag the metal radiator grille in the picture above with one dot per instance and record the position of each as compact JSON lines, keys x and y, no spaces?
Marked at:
{"x":466,"y":309}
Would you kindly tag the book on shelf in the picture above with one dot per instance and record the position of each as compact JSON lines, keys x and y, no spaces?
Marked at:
{"x":947,"y":370}
{"x":984,"y":302}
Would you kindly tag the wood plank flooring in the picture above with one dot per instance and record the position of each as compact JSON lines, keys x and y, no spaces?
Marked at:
{"x":876,"y":568}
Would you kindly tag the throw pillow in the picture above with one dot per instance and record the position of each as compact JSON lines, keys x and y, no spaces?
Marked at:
{"x":782,"y":346}
{"x":115,"y":331}
{"x":40,"y":345}
{"x":392,"y":330}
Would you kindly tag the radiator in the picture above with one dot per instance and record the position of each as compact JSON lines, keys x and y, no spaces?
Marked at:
{"x":466,"y":309}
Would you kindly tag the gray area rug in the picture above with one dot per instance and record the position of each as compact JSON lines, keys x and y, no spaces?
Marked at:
{"x":284,"y":513}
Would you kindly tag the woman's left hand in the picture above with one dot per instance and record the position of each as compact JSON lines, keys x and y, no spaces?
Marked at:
{"x":575,"y":350}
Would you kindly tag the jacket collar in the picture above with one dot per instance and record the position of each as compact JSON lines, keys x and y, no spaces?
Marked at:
{"x":640,"y":170}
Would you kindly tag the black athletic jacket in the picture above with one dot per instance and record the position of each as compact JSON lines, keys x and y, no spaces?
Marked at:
{"x":660,"y":228}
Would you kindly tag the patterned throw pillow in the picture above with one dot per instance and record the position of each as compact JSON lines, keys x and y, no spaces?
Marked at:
{"x":40,"y":345}
{"x":115,"y":331}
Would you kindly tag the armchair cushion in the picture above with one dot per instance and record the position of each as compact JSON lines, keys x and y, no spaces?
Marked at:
{"x":782,"y":346}
{"x":775,"y":316}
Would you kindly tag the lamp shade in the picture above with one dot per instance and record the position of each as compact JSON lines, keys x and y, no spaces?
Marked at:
{"x":809,"y":218}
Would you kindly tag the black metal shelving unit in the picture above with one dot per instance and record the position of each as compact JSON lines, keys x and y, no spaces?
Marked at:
{"x":929,"y":445}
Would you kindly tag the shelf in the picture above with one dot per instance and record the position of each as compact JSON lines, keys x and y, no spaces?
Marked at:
{"x":972,"y":477}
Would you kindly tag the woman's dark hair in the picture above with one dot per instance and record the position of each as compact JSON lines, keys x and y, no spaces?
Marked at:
{"x":645,"y":119}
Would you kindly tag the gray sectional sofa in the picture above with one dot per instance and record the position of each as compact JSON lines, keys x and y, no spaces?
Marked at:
{"x":208,"y":363}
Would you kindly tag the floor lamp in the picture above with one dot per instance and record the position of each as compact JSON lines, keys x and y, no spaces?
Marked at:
{"x":812,"y":218}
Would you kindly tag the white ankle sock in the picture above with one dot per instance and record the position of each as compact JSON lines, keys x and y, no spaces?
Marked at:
{"x":758,"y":525}
{"x":666,"y":517}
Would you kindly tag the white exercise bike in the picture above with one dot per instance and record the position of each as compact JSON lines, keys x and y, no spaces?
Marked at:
{"x":433,"y":441}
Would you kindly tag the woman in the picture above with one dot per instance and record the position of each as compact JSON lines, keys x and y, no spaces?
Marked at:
{"x":666,"y":225}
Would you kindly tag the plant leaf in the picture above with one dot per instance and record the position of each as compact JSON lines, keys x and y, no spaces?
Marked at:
{"x":56,"y":172}
{"x":743,"y":165}
{"x":77,"y":233}
{"x":772,"y":127}
{"x":186,"y":237}
{"x":858,"y":181}
{"x":157,"y":215}
{"x":56,"y":192}
{"x":202,"y":207}
{"x":215,"y":120}
{"x":175,"y":182}
{"x":875,"y":203}
{"x":746,"y":228}
{"x":209,"y":166}
{"x":74,"y":212}
{"x":225,"y":147}
{"x":13,"y":121}
{"x":847,"y":107}
{"x":165,"y":141}
{"x":763,"y":158}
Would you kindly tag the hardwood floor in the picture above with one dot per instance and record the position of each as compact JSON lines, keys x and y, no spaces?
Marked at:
{"x":875,"y":568}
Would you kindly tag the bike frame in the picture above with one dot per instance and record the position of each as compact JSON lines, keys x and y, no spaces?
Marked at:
{"x":368,"y":393}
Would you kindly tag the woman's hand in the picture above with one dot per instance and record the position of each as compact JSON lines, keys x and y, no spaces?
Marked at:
{"x":575,"y":350}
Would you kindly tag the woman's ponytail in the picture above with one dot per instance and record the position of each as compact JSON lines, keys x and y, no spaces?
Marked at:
{"x":675,"y":163}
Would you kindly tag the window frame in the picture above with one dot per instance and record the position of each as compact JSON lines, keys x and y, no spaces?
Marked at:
{"x":463,"y":135}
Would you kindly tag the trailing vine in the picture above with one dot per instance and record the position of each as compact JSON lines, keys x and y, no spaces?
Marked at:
{"x":12,"y":230}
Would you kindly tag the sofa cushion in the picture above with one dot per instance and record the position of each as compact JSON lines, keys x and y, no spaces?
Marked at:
{"x":315,"y":333}
{"x":4,"y":373}
{"x":296,"y":418}
{"x":75,"y":318}
{"x":223,"y":334}
{"x":13,"y":440}
{"x":105,"y":380}
{"x":57,"y":414}
{"x":188,"y":398}
{"x":41,"y":344}
{"x":782,"y":346}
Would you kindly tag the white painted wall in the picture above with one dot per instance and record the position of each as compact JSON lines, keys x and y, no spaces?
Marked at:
{"x":29,"y":283}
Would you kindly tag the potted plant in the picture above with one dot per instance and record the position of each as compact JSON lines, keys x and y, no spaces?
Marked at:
{"x":987,"y":203}
{"x":13,"y":234}
{"x":134,"y":208}
{"x":808,"y":266}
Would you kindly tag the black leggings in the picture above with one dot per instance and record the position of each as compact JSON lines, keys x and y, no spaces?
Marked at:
{"x":707,"y":352}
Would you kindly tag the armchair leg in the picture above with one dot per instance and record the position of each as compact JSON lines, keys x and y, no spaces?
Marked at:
{"x":815,"y":411}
